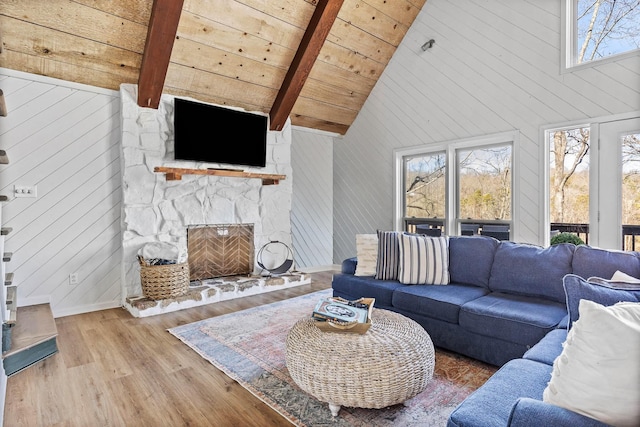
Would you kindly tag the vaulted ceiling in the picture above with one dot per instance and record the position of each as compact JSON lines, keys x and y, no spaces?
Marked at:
{"x":229,"y":52}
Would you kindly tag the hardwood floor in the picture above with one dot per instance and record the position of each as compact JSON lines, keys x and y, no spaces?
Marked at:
{"x":116,"y":370}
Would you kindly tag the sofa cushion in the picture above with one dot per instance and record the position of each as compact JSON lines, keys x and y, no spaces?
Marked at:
{"x":577,"y":288}
{"x":531,"y":270}
{"x":589,"y":261}
{"x":367,"y":254}
{"x":597,"y":372}
{"x":349,"y":265}
{"x":470,"y":259}
{"x":423,"y":260}
{"x":515,"y":318}
{"x":439,"y":302}
{"x":548,"y":348}
{"x":490,"y":405}
{"x":388,"y":255}
{"x":350,"y":286}
{"x":529,"y":412}
{"x":564,"y":323}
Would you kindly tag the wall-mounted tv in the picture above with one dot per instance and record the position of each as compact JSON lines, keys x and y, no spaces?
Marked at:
{"x":212,"y":134}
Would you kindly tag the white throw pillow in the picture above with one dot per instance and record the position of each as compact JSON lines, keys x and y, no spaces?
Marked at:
{"x":620,"y":276}
{"x":424,"y":260}
{"x":367,"y":253}
{"x":598,"y":372}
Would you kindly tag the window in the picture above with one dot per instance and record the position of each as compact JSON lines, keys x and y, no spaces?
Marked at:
{"x":484,"y":183}
{"x":631,"y":191}
{"x":425,"y":186}
{"x":457,"y":187}
{"x":594,"y":182}
{"x":598,"y":29}
{"x":569,"y":181}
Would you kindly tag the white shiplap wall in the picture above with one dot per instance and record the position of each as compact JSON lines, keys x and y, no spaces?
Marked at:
{"x":312,"y":199}
{"x":63,"y":138}
{"x":495,"y":67}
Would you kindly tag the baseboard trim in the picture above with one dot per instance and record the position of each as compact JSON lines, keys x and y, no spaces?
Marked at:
{"x":71,"y":311}
{"x":319,"y":268}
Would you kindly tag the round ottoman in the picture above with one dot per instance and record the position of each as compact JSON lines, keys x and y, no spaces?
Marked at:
{"x":389,"y":364}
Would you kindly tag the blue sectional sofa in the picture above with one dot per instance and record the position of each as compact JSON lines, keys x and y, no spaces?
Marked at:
{"x":505,"y":305}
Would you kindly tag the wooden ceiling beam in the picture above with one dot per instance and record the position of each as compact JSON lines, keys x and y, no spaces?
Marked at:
{"x":306,"y":55}
{"x":163,"y":26}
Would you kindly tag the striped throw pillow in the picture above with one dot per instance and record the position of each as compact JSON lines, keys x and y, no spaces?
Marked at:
{"x":424,"y":260}
{"x":388,"y":255}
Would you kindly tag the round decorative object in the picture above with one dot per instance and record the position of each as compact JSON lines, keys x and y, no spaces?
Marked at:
{"x":282,"y":268}
{"x":390,"y":364}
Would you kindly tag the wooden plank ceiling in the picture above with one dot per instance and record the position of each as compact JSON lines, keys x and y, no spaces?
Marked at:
{"x":229,"y":52}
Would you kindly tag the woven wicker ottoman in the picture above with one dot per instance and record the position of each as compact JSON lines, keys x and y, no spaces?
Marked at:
{"x":389,"y":364}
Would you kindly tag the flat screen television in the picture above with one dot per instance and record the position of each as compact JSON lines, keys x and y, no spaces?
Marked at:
{"x":212,"y":134}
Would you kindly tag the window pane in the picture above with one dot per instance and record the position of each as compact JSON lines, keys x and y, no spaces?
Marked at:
{"x":425,"y":186}
{"x":606,"y":27}
{"x":631,"y":191}
{"x":569,"y":181}
{"x":485,"y":183}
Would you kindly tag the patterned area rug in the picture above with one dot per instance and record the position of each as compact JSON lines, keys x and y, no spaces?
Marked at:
{"x":249,"y":346}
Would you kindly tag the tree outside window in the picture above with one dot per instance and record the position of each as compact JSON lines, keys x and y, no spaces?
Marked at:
{"x":605,"y":28}
{"x":425,"y":186}
{"x":484,"y":176}
{"x":569,"y":176}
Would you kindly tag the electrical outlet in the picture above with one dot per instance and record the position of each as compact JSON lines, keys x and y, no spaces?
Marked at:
{"x":25,"y":191}
{"x":73,"y":279}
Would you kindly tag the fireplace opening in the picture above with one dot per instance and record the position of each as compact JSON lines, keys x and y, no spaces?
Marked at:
{"x":220,"y":250}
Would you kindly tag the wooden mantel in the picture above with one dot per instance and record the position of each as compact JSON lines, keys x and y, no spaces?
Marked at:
{"x":175,"y":174}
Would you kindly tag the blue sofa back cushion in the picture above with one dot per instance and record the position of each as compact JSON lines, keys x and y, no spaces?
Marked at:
{"x":349,"y":265}
{"x":531,"y":270}
{"x":577,"y":288}
{"x":470,"y":259}
{"x":588,"y":262}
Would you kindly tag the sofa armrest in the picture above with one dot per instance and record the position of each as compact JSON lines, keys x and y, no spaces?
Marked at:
{"x":527,"y":412}
{"x":349,"y":265}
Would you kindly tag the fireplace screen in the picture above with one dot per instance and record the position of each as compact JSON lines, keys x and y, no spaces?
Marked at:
{"x":220,"y":250}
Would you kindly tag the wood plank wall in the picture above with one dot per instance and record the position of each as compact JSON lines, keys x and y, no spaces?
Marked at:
{"x":495,"y":67}
{"x":64,"y":138}
{"x":312,"y":198}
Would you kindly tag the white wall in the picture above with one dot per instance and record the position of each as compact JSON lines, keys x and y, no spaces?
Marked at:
{"x":63,"y":138}
{"x":312,"y":204}
{"x":495,"y":67}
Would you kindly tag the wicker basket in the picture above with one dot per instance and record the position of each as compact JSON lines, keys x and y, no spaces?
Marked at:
{"x":164,"y":281}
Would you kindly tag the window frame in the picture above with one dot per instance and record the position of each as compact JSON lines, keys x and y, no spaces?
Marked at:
{"x":545,"y":213}
{"x":594,"y":165}
{"x":451,"y":220}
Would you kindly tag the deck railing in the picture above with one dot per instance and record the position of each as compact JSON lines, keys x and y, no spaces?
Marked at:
{"x":630,"y":233}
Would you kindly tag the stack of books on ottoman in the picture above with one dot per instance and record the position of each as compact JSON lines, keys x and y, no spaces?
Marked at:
{"x":336,"y":314}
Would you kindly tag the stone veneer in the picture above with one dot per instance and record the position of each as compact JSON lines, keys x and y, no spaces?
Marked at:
{"x":157,"y":210}
{"x":214,"y":290}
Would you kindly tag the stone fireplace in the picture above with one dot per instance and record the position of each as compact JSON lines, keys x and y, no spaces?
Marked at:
{"x":159,"y":210}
